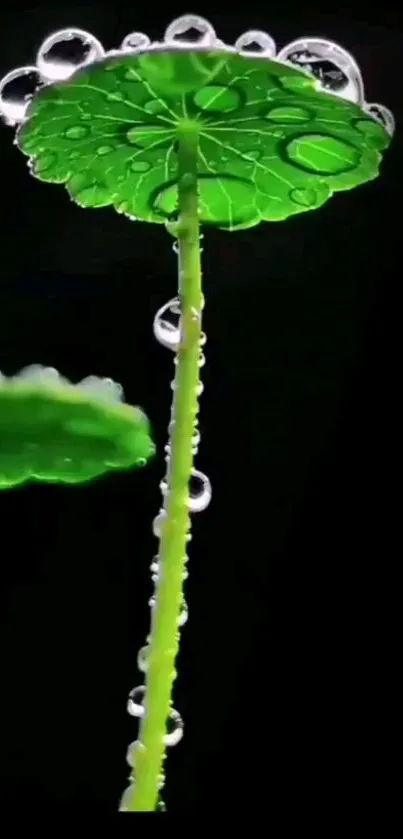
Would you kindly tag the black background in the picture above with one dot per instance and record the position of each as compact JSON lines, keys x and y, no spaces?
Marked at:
{"x":287,"y":664}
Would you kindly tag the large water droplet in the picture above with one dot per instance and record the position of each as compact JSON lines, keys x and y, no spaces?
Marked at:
{"x":135,"y":41}
{"x":135,"y":705}
{"x":200,"y":492}
{"x":166,"y":324}
{"x":333,"y":66}
{"x":126,"y":799}
{"x":382,"y":115}
{"x":175,"y":728}
{"x":132,"y":749}
{"x":63,"y":52}
{"x":190,"y":30}
{"x":322,"y":154}
{"x":16,"y":91}
{"x":255,"y":42}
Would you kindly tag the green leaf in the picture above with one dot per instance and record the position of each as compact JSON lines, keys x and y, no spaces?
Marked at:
{"x":270,"y":145}
{"x":65,"y":434}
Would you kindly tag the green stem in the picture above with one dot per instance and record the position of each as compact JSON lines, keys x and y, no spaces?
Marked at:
{"x":164,"y":641}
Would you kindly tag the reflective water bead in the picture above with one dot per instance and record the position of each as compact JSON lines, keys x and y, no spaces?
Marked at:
{"x":166,"y":324}
{"x":175,"y":722}
{"x":134,"y":703}
{"x":134,"y":41}
{"x":102,"y":388}
{"x":16,"y":91}
{"x":142,"y":658}
{"x":131,"y":751}
{"x":382,"y":115}
{"x":190,"y":30}
{"x":200,"y":492}
{"x":158,"y":523}
{"x":126,"y":798}
{"x":334,"y":67}
{"x":257,"y":43}
{"x":65,"y":51}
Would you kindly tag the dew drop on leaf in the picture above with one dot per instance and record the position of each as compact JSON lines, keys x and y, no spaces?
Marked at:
{"x":140,"y":166}
{"x":101,"y":150}
{"x":65,"y":51}
{"x":76,"y":132}
{"x":16,"y":91}
{"x":322,"y":154}
{"x":217,"y":99}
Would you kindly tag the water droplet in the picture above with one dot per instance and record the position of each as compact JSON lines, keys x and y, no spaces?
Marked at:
{"x":200,"y":492}
{"x":257,"y":43}
{"x":126,"y":799}
{"x":76,"y":132}
{"x":303,"y":197}
{"x":175,"y":724}
{"x":335,"y":69}
{"x":142,"y":658}
{"x":102,"y":388}
{"x":101,"y":150}
{"x":16,"y":91}
{"x":37,"y":374}
{"x":289,"y":114}
{"x":131,"y":751}
{"x":166,"y":325}
{"x":184,"y":613}
{"x":44,"y":163}
{"x":63,"y":52}
{"x":216,"y":98}
{"x":140,"y":166}
{"x":183,"y":617}
{"x":135,"y":705}
{"x":322,"y":154}
{"x":383,"y":115}
{"x":155,"y":106}
{"x":135,"y":41}
{"x":189,"y":30}
{"x":158,"y":523}
{"x":255,"y":154}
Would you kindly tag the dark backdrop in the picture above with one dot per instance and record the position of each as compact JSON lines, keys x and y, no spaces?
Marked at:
{"x":286,"y":668}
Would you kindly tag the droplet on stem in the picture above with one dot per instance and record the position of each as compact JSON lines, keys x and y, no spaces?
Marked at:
{"x":134,"y":703}
{"x":200,"y":492}
{"x":166,"y":324}
{"x":175,"y":723}
{"x":135,"y":41}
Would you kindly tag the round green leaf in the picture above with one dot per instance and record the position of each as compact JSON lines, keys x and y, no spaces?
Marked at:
{"x":270,"y":145}
{"x":53,"y":431}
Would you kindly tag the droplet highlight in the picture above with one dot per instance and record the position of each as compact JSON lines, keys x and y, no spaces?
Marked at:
{"x":166,"y":324}
{"x":65,"y":51}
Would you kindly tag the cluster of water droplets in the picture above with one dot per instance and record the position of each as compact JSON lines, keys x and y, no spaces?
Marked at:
{"x":67,"y":50}
{"x":40,"y":376}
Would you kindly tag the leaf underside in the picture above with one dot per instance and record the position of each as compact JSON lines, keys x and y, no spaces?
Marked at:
{"x":54,"y":436}
{"x":270,"y":145}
